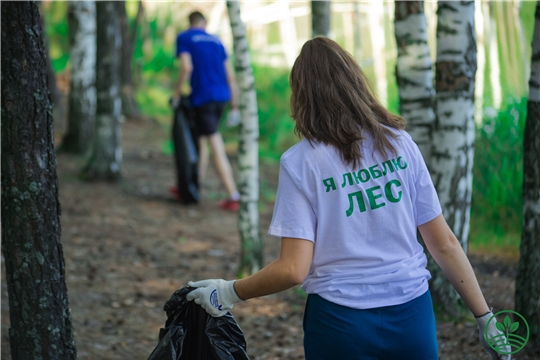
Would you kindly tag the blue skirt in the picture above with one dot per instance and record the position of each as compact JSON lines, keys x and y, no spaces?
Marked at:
{"x":399,"y":332}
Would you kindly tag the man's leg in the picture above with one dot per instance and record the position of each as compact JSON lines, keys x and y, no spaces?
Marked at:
{"x":203,"y":157}
{"x":222,"y":164}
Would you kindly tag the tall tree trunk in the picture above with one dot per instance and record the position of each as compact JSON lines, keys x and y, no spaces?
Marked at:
{"x":82,"y":94}
{"x":453,"y":136}
{"x":41,"y":325}
{"x":106,"y":153}
{"x":479,"y":24}
{"x":248,"y":154}
{"x":528,"y":277}
{"x":51,"y":76}
{"x":414,"y":73}
{"x":129,"y":105}
{"x":320,"y":17}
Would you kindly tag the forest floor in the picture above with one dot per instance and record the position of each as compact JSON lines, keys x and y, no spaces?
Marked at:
{"x":128,"y":246}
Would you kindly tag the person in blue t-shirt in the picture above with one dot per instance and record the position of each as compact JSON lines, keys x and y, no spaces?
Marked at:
{"x":204,"y":62}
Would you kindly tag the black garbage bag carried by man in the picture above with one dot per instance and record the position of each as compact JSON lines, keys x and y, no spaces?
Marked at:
{"x":191,"y":334}
{"x":185,"y":153}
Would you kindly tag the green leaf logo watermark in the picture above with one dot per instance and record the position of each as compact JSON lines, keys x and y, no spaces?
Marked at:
{"x":507,"y":340}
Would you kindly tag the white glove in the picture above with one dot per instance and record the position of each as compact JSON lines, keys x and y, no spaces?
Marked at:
{"x":216,"y":296}
{"x":492,"y":332}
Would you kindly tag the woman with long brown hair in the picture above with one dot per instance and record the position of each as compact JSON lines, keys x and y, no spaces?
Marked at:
{"x":351,"y":196}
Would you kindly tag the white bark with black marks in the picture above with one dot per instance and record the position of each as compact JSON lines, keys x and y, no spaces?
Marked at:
{"x":82,"y":96}
{"x":453,"y":136}
{"x":248,"y":152}
{"x":414,"y":73}
{"x":106,"y":154}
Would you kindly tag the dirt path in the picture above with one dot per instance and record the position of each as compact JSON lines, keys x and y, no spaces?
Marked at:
{"x":128,"y":246}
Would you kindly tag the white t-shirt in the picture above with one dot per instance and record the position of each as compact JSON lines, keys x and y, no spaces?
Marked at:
{"x":363,"y":223}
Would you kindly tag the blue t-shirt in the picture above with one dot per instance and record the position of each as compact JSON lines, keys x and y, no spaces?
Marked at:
{"x":208,"y":79}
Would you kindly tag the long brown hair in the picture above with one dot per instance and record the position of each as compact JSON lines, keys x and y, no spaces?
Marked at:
{"x":332,"y":102}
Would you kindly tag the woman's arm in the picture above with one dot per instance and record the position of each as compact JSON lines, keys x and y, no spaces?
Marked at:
{"x":217,"y":296}
{"x":448,"y":253}
{"x":289,"y":270}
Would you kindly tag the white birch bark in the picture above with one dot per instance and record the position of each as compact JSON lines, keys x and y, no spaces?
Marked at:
{"x":414,"y":73}
{"x":248,"y":152}
{"x":82,"y":95}
{"x":528,"y":276}
{"x":479,"y":80}
{"x":106,"y":154}
{"x":453,"y":136}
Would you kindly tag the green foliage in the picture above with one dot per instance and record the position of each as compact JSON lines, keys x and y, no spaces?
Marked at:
{"x":56,"y":28}
{"x":275,"y":124}
{"x":497,"y":199}
{"x":497,"y":202}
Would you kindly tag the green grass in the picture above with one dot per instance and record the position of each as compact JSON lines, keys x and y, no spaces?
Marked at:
{"x":497,"y":202}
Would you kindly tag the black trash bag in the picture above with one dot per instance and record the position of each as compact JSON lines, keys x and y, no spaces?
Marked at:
{"x":191,"y":334}
{"x":186,"y":153}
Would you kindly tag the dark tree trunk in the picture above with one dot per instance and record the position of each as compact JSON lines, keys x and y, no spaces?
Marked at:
{"x":129,"y":105}
{"x":528,"y":277}
{"x":41,"y":325}
{"x":106,"y":153}
{"x":320,"y":18}
{"x":82,"y":93}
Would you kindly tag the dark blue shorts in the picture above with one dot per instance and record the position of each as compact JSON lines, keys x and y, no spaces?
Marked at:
{"x":399,"y":332}
{"x":207,"y":117}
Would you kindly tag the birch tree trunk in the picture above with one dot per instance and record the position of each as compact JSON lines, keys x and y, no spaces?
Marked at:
{"x":527,"y":300}
{"x":320,"y":17}
{"x":481,"y":56}
{"x":414,"y":73}
{"x":453,"y":136}
{"x":106,"y":153}
{"x":82,"y":95}
{"x":129,"y":105}
{"x":251,"y":259}
{"x":40,"y":318}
